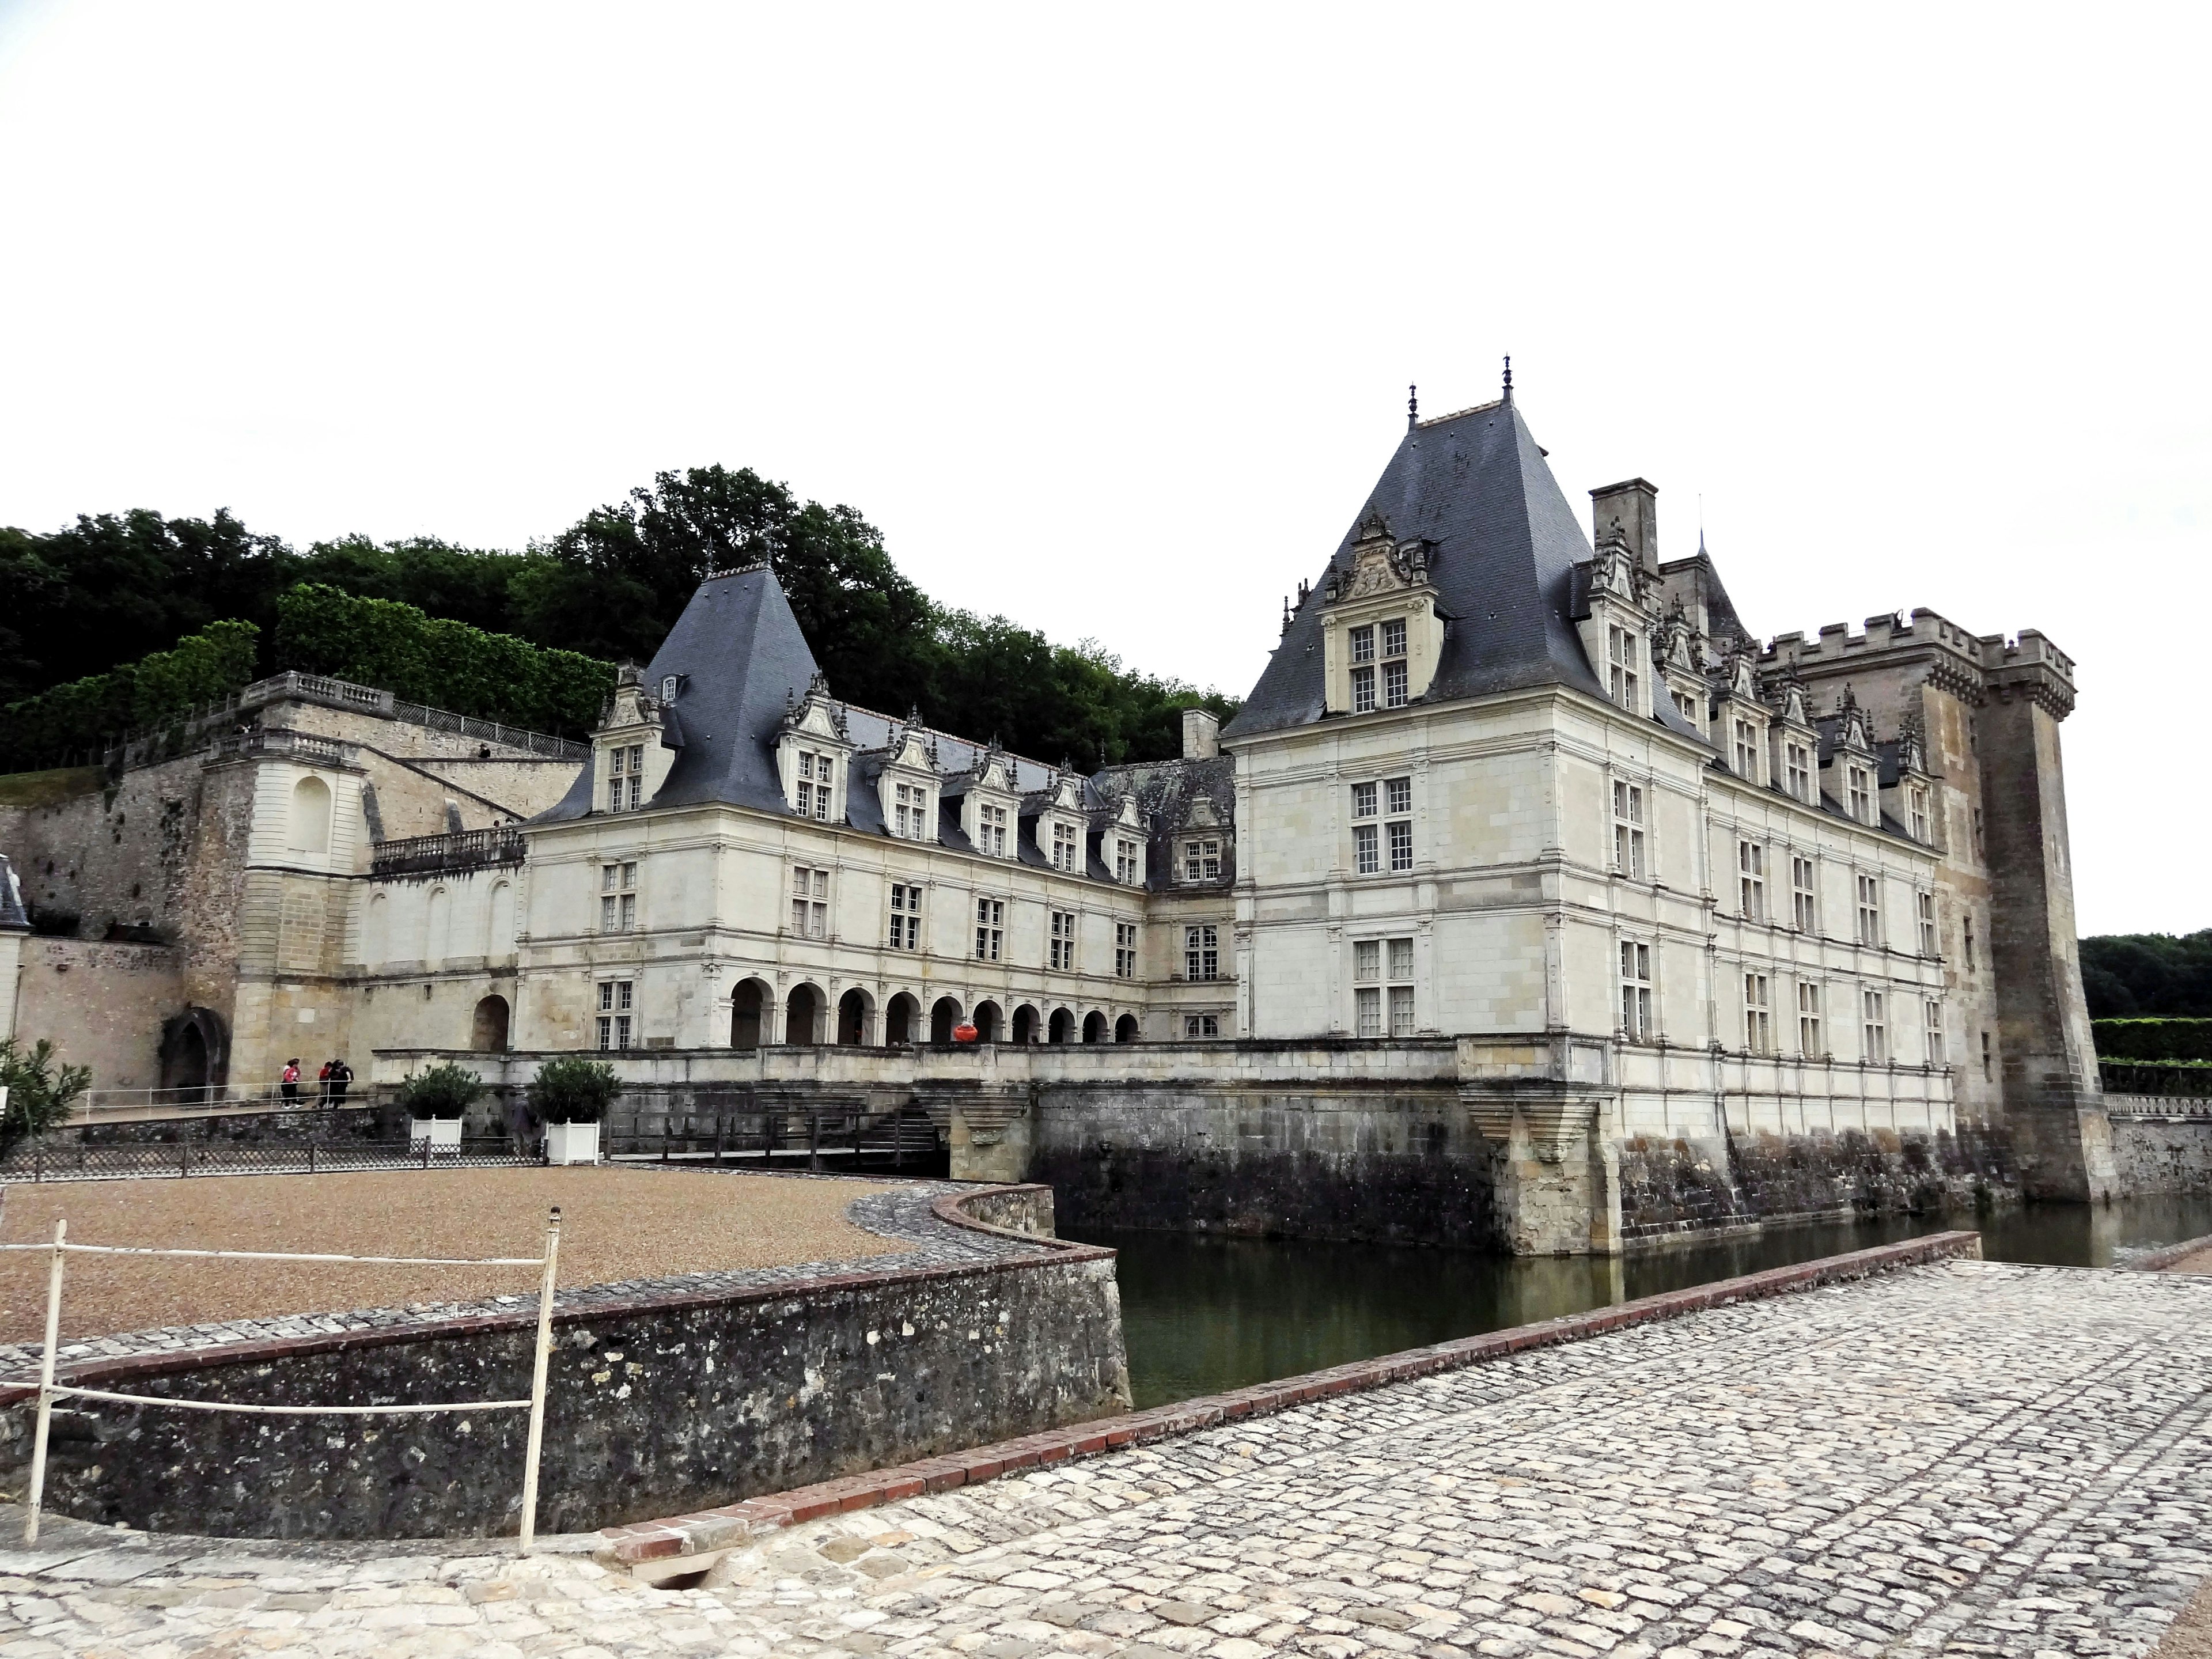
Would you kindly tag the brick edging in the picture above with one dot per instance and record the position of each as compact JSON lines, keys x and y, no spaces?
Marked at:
{"x":717,"y":1529}
{"x":2159,"y":1260}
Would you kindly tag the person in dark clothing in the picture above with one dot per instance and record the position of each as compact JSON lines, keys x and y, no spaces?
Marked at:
{"x":323,"y":1084}
{"x":341,"y":1074}
{"x":290,"y":1085}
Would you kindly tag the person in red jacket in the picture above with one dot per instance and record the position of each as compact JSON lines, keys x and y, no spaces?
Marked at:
{"x":291,"y":1081}
{"x":322,"y":1077}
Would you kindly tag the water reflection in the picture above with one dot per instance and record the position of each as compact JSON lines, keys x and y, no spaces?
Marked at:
{"x":1201,"y":1315}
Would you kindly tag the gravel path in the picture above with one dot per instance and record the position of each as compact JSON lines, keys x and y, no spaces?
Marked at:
{"x":616,"y":1224}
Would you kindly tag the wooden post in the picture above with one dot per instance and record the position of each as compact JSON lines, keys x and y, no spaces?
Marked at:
{"x":537,"y":1378}
{"x":47,"y":1384}
{"x":814,"y":1141}
{"x":720,"y":1118}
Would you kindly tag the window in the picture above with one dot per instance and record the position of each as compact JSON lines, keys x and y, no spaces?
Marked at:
{"x":1628,"y":830}
{"x":1925,"y":903}
{"x":1401,"y":846}
{"x":614,"y":1013}
{"x":668,"y":688}
{"x":1201,"y":1025}
{"x":1363,"y":670}
{"x":1876,"y":1051}
{"x":991,"y":831}
{"x":1918,"y":802}
{"x":1635,"y":991}
{"x":1125,"y":950}
{"x":1065,"y":847}
{"x":1063,"y":941}
{"x":1970,"y":945}
{"x":1869,"y":909}
{"x":815,"y":773}
{"x":1620,"y":664}
{"x":1366,"y":855}
{"x":1394,"y":639}
{"x":1363,"y":800}
{"x":1399,"y":792}
{"x":1363,"y":644}
{"x":1201,"y":953}
{"x":1382,"y":990}
{"x":1935,"y":1034}
{"x":1758,"y":1015}
{"x":1808,"y":1020}
{"x":911,"y":813}
{"x":809,"y":903}
{"x":1394,"y":665}
{"x":1128,"y":867}
{"x":625,"y":778}
{"x":1860,"y":800}
{"x":1803,"y":911}
{"x":617,"y":897}
{"x":906,"y":917}
{"x":990,"y":928}
{"x":1751,"y":880}
{"x":1986,"y":1075}
{"x":1978,"y":832}
{"x":1201,"y":861}
{"x":1747,"y":751}
{"x":1798,"y":770}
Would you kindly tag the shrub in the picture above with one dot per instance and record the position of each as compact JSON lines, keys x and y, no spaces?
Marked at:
{"x":39,"y":1094}
{"x":570,"y":1088}
{"x":166,"y":686}
{"x":2152,"y":1039}
{"x":442,"y":1092}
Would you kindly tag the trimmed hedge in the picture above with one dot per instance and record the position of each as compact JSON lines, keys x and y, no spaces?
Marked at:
{"x":217,"y":662}
{"x":2152,"y":1039}
{"x":448,"y":665}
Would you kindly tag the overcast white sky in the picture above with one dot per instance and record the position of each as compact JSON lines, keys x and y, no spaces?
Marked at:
{"x":1106,"y":317}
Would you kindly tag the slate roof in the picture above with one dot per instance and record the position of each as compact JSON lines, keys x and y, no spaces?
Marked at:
{"x":1504,"y":545}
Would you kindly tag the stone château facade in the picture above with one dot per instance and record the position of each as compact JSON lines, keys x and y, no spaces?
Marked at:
{"x":1523,"y":862}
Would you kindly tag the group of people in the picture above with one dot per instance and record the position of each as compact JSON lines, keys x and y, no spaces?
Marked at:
{"x":331,"y":1080}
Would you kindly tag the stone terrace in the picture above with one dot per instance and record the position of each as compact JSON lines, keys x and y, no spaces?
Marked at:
{"x":1960,"y":1458}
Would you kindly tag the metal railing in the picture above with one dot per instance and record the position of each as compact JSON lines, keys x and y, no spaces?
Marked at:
{"x":202,"y":1100}
{"x":40,"y":1157}
{"x":452,"y":850}
{"x":844,"y":1135}
{"x":514,"y":737}
{"x":49,"y":1390}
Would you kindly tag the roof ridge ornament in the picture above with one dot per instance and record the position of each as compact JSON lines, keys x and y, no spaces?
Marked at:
{"x":1412,"y":407}
{"x":1508,"y":398}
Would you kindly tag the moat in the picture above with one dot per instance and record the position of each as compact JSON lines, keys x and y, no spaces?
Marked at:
{"x":1201,"y":1315}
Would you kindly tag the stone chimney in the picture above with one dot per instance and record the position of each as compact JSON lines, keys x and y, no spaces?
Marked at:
{"x":1201,"y":734}
{"x":1635,"y":504}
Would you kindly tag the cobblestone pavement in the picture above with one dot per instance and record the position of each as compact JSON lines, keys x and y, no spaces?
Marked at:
{"x":1966,"y":1458}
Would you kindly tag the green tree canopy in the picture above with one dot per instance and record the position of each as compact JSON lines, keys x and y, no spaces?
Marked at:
{"x":2129,"y":974}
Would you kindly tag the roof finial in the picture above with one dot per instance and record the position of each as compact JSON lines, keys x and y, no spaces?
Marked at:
{"x":1412,"y":407}
{"x":1701,"y":526}
{"x":1508,"y":380}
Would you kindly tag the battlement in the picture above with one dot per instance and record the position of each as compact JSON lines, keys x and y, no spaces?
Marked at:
{"x":1922,"y":631}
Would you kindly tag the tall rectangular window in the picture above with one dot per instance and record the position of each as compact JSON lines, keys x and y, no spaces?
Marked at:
{"x":1751,"y":880}
{"x":815,"y":775}
{"x":1747,"y":751}
{"x":910,"y":811}
{"x":1635,"y":990}
{"x":1876,"y":1029}
{"x":809,"y":903}
{"x":1917,"y":801}
{"x":1869,"y":888}
{"x":1399,"y":961}
{"x":1394,"y":638}
{"x":1127,"y":865}
{"x":1382,"y":990}
{"x":1201,"y":953}
{"x":906,"y":917}
{"x":1809,"y":1043}
{"x":1201,"y":861}
{"x":1362,"y":669}
{"x":1628,"y":830}
{"x":1366,"y":849}
{"x":1804,"y":911}
{"x":1065,"y":847}
{"x":1934,"y":1035}
{"x":1620,"y":655}
{"x":991,"y":831}
{"x":1925,"y":903}
{"x":1063,"y":941}
{"x":1989,"y":1074}
{"x":615,"y":1015}
{"x":625,"y":777}
{"x":1399,"y":793}
{"x":1758,"y":1015}
{"x":1125,"y":950}
{"x":1859,"y":798}
{"x":1401,"y":845}
{"x":990,"y":928}
{"x":1395,"y":681}
{"x":617,"y":898}
{"x":1363,"y":643}
{"x":1362,"y":799}
{"x":1970,"y":944}
{"x":1797,"y":762}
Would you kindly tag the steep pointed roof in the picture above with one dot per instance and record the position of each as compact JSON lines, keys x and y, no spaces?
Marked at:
{"x":1503,"y":547}
{"x":739,"y":649}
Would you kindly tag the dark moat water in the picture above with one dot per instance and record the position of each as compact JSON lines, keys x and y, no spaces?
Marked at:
{"x":1201,"y":1315}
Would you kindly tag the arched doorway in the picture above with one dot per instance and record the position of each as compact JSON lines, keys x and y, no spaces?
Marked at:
{"x":488,"y":1036}
{"x":943,"y":1015}
{"x":1094,"y":1027}
{"x":310,"y":817}
{"x":1062,"y":1029}
{"x":802,"y":1015}
{"x":748,"y":1003}
{"x":195,"y":1055}
{"x":1125,"y":1028}
{"x":1025,"y":1023}
{"x":900,"y":1015}
{"x":853,"y":1019}
{"x":989,"y":1021}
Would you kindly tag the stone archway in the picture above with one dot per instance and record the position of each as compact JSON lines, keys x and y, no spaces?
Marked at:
{"x":1027,"y":1025}
{"x":750,"y":1003}
{"x":943,"y":1015}
{"x":853,"y":1019}
{"x":1095,"y":1029}
{"x":488,"y":1031}
{"x":902,"y":1014}
{"x":1061,"y":1027}
{"x":802,"y":1015}
{"x":989,"y":1021}
{"x":1125,"y":1028}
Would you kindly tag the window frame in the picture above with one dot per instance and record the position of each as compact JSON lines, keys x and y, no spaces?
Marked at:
{"x":808,"y":892}
{"x":1811,"y":1043}
{"x":1201,"y":952}
{"x":1750,"y":879}
{"x":1758,"y":1013}
{"x":1061,"y":934}
{"x":1125,"y":950}
{"x":1636,"y":1006}
{"x":1629,"y":852}
{"x":905,"y":916}
{"x":990,"y":928}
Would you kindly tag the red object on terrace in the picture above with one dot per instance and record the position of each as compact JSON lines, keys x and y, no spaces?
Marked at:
{"x":964,"y":1033}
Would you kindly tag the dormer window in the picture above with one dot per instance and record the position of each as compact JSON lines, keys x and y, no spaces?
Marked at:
{"x":1128,"y":864}
{"x":1858,"y":798}
{"x":1917,"y":801}
{"x":1362,"y":670}
{"x":625,"y":778}
{"x":910,"y":811}
{"x":1066,"y":847}
{"x":668,"y":688}
{"x":817,"y":772}
{"x":1620,"y":664}
{"x":1201,"y":861}
{"x":1797,"y":765}
{"x":991,"y":831}
{"x":1747,"y":751}
{"x":1393,"y":664}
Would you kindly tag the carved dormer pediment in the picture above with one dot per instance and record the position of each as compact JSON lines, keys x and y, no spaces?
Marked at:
{"x":1382,"y":636}
{"x":633,"y":748}
{"x":814,"y":754}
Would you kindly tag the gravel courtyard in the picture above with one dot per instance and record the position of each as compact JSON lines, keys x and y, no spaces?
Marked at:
{"x":615,"y":1224}
{"x":1968,"y":1458}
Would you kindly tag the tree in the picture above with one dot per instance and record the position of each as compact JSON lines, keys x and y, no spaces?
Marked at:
{"x":39,"y":1094}
{"x":2124,"y":974}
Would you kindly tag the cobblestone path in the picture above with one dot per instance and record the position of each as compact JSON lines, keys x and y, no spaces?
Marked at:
{"x":1966,"y":1459}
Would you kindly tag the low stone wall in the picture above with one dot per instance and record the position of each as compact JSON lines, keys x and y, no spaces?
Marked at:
{"x":1684,"y":1188}
{"x":657,"y":1401}
{"x":2162,"y":1152}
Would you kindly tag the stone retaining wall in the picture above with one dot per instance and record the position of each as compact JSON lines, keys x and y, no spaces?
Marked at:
{"x":658,"y":1400}
{"x":2161,"y":1153}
